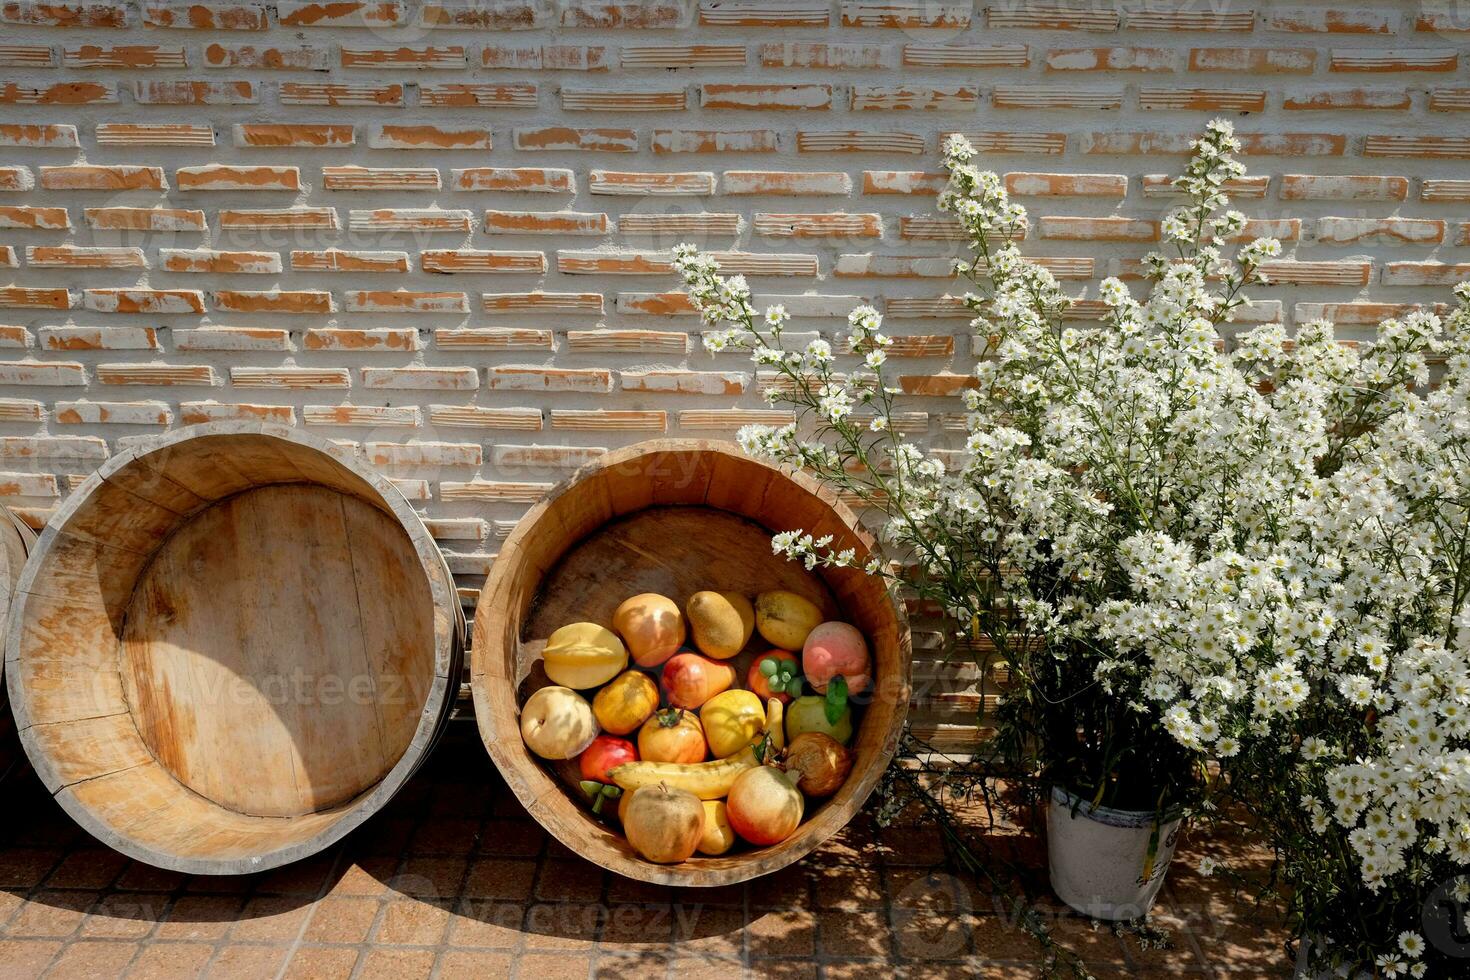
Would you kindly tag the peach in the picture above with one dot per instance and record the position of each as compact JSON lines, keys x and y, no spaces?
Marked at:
{"x":690,"y":680}
{"x":836,"y":648}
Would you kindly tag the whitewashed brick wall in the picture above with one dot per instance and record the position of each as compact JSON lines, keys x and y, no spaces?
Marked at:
{"x":438,"y":234}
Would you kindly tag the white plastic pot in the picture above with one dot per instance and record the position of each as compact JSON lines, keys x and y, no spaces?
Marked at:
{"x":1105,"y":863}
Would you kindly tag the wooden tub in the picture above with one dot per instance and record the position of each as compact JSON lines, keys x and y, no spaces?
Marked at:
{"x":230,"y":648}
{"x":16,"y":542}
{"x":672,"y":517}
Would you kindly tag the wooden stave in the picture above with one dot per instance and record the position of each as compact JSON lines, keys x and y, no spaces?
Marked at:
{"x":442,"y":691}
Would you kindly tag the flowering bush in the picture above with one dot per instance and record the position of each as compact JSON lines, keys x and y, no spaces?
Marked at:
{"x":1188,"y":554}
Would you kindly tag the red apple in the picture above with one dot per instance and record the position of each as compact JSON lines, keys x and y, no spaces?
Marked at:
{"x":689,"y":680}
{"x":605,"y":752}
{"x":836,"y":648}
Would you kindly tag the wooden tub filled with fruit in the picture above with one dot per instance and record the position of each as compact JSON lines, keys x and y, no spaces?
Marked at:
{"x":668,"y":697}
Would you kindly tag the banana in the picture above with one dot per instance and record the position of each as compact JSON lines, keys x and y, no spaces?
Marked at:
{"x":776,"y":723}
{"x":706,"y":780}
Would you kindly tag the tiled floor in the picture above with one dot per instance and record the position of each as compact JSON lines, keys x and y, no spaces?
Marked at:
{"x":454,"y":880}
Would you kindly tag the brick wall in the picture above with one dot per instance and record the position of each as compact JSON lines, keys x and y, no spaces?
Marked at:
{"x":438,"y":234}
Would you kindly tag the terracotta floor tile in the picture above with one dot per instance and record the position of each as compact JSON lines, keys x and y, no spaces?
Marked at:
{"x":512,"y":838}
{"x":52,"y":915}
{"x":791,"y":932}
{"x":247,"y":962}
{"x":789,"y":888}
{"x":397,"y":964}
{"x":637,"y":927}
{"x":342,"y":920}
{"x":445,"y":836}
{"x":848,"y":887}
{"x":554,"y":966}
{"x":464,"y":964}
{"x":703,"y":968}
{"x":321,"y":963}
{"x":170,"y":961}
{"x":482,"y":923}
{"x":271,"y":918}
{"x":125,"y":915}
{"x":366,"y":877}
{"x":27,"y":958}
{"x":787,"y":970}
{"x":631,"y":965}
{"x":85,"y":959}
{"x":138,"y":876}
{"x":91,"y":867}
{"x":709,"y":930}
{"x":929,"y":937}
{"x":429,"y":877}
{"x":562,"y":925}
{"x":847,"y":933}
{"x":204,"y":917}
{"x":500,"y":878}
{"x":570,"y":881}
{"x":303,"y":878}
{"x":409,"y":922}
{"x":26,"y":867}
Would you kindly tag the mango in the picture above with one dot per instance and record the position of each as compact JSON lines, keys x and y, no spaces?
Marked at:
{"x":584,"y":655}
{"x":721,"y":622}
{"x":731,"y":719}
{"x":626,"y":702}
{"x":785,"y":618}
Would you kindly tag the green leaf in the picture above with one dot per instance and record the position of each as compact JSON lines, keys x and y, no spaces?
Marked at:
{"x":836,"y":699}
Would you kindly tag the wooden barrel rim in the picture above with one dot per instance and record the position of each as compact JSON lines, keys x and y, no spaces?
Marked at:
{"x":497,"y":709}
{"x":448,"y":656}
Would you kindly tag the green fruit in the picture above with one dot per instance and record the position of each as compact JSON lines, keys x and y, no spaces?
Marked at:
{"x":809,"y":714}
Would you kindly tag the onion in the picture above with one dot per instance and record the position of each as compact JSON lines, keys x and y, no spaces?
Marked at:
{"x":822,"y":762}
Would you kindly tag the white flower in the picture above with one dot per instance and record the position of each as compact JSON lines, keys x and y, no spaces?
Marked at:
{"x":1208,"y":866}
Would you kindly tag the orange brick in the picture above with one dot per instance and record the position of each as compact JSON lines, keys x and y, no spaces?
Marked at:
{"x":562,"y":139}
{"x":1098,"y":229}
{"x":650,"y":184}
{"x":539,"y":302}
{"x":34,"y":218}
{"x":549,"y":379}
{"x":1201,"y":99}
{"x":1318,"y":273}
{"x":544,"y":457}
{"x":355,"y":178}
{"x":713,"y":141}
{"x":559,"y":57}
{"x":341,"y":94}
{"x":212,"y":261}
{"x":833,"y":225}
{"x":293,"y":134}
{"x":478,"y":417}
{"x":124,"y":56}
{"x":406,"y":416}
{"x":143,"y":134}
{"x":1346,"y":98}
{"x":157,"y":375}
{"x":394,"y":137}
{"x":378,"y":339}
{"x":205,"y":16}
{"x":670,"y":56}
{"x":424,"y":453}
{"x":859,"y":141}
{"x":492,"y":492}
{"x":927,"y":183}
{"x":194,"y":413}
{"x":430,"y":220}
{"x":1350,"y":187}
{"x":817,"y":54}
{"x":221,"y":177}
{"x":85,"y":257}
{"x":268,"y":57}
{"x":546,"y":223}
{"x":1112,"y":59}
{"x":144,"y":219}
{"x":1056,"y":97}
{"x":656,"y":304}
{"x":1327,"y":20}
{"x":27,"y":56}
{"x":53,"y":447}
{"x":100,"y":338}
{"x":1395,"y":59}
{"x":78,"y":13}
{"x":784,"y":183}
{"x":1393,"y":231}
{"x":113,"y":413}
{"x":55,"y":135}
{"x":628,"y":342}
{"x":765,"y":13}
{"x":45,"y":373}
{"x":232,"y":339}
{"x":84,"y":177}
{"x":405,"y":301}
{"x":906,"y":14}
{"x":1162,"y":185}
{"x":324,"y":219}
{"x":609,"y":14}
{"x":1444,"y":189}
{"x":493,"y":338}
{"x":935,"y":385}
{"x":143,"y":300}
{"x":741,"y":95}
{"x":604,"y":420}
{"x":1257,"y":61}
{"x":457,"y":15}
{"x":33,"y":298}
{"x":546,"y":180}
{"x":240,"y":92}
{"x":699,"y":223}
{"x":344,"y":260}
{"x":272,"y":301}
{"x":342,"y":13}
{"x":290,"y":378}
{"x":613,"y":100}
{"x":1449,"y":99}
{"x":481,"y":261}
{"x":1425,"y":273}
{"x":1423,"y":147}
{"x":455,"y":95}
{"x":613,"y":263}
{"x":1024,"y":184}
{"x":421,"y":378}
{"x":404,"y":56}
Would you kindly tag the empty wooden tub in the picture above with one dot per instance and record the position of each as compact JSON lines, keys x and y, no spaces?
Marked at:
{"x":230,"y":648}
{"x":672,"y":517}
{"x":16,"y":541}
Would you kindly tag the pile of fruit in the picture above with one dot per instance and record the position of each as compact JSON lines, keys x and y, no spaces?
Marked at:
{"x":711,"y":762}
